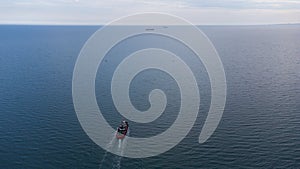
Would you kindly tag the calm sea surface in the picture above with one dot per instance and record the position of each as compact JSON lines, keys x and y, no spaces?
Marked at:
{"x":260,"y":127}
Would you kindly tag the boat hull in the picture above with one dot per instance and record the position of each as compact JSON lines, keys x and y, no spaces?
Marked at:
{"x":121,"y":135}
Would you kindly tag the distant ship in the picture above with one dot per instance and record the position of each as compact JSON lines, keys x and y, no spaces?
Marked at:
{"x":122,"y":130}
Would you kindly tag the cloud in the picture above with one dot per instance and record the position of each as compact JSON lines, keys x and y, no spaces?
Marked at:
{"x":197,"y":11}
{"x":247,"y":4}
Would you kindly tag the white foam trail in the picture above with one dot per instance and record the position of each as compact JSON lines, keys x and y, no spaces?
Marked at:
{"x":120,"y":145}
{"x":120,"y":142}
{"x":124,"y":143}
{"x":108,"y":146}
{"x":121,"y":149}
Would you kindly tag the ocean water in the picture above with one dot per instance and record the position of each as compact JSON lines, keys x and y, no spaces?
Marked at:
{"x":260,"y":127}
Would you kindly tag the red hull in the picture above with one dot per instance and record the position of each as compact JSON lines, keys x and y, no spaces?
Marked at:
{"x":120,"y":135}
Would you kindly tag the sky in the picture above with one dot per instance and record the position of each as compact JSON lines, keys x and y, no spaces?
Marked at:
{"x":99,"y":12}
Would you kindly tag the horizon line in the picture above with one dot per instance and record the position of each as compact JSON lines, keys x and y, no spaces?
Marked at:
{"x":58,"y":24}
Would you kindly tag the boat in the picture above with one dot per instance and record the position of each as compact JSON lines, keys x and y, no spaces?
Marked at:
{"x":122,"y":130}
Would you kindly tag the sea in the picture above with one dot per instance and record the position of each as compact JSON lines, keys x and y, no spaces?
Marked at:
{"x":260,"y":126}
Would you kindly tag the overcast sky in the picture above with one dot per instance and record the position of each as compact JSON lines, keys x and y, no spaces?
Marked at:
{"x":97,"y":12}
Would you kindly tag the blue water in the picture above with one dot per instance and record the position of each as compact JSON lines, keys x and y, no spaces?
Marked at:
{"x":260,"y":127}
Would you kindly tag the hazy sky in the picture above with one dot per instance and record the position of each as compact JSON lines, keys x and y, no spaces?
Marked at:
{"x":102,"y":11}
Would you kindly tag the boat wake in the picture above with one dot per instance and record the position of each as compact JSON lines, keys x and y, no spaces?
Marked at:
{"x":117,"y":145}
